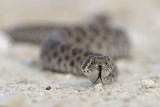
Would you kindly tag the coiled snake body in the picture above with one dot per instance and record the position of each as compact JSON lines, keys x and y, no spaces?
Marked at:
{"x":81,"y":50}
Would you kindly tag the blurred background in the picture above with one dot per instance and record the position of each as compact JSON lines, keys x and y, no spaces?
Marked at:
{"x":142,"y":15}
{"x":136,"y":16}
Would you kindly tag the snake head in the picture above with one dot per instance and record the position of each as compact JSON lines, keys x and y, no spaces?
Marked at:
{"x":99,"y":69}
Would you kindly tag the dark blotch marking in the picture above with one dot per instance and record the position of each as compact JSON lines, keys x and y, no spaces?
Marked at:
{"x":74,"y":51}
{"x":55,"y":54}
{"x":59,"y":60}
{"x":78,"y":58}
{"x":112,"y":75}
{"x":81,"y":31}
{"x":78,"y":39}
{"x":94,"y":29}
{"x":80,"y":51}
{"x":53,"y":44}
{"x":65,"y":48}
{"x":87,"y":53}
{"x":72,"y":63}
{"x":66,"y":57}
{"x":62,"y":48}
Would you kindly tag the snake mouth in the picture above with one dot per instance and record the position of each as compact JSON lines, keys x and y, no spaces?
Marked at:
{"x":99,"y":75}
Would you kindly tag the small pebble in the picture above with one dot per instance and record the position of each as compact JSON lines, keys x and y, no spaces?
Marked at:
{"x":98,"y":87}
{"x":48,"y":88}
{"x":148,"y":84}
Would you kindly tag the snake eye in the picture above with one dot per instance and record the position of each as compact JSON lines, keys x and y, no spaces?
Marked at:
{"x":107,"y":64}
{"x":92,"y":61}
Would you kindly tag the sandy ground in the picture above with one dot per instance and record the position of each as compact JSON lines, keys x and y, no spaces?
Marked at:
{"x":24,"y":85}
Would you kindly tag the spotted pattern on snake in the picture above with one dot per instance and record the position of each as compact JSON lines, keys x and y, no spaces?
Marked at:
{"x":86,"y":50}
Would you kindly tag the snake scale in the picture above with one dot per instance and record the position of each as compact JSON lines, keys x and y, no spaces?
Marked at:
{"x":86,"y":50}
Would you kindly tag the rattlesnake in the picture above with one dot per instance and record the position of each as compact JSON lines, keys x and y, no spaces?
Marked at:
{"x":85,"y":50}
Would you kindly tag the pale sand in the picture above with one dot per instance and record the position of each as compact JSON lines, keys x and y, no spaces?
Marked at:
{"x":23,"y":84}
